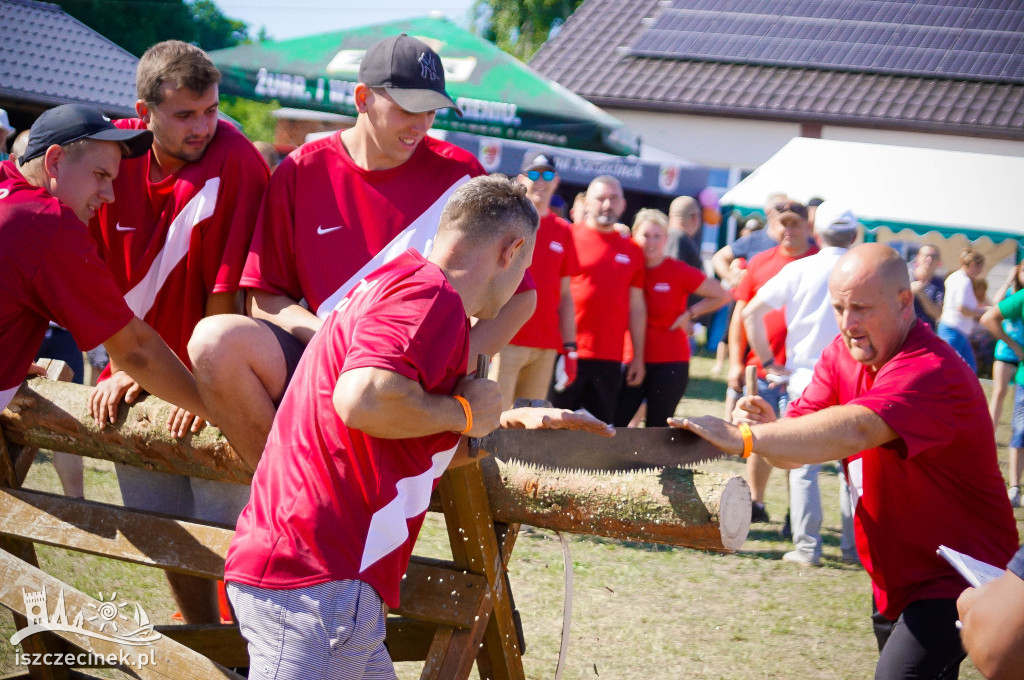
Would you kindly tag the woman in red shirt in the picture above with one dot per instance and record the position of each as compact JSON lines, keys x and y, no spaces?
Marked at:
{"x":668,"y":284}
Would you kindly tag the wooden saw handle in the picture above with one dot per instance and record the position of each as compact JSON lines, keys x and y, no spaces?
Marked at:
{"x":750,"y":377}
{"x":483,"y":366}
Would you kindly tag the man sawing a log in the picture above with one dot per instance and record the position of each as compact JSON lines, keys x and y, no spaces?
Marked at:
{"x":909,"y":420}
{"x":375,"y":415}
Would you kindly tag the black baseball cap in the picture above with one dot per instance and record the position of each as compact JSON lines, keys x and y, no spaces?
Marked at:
{"x":537,"y":160}
{"x":70,"y":122}
{"x":409,"y":71}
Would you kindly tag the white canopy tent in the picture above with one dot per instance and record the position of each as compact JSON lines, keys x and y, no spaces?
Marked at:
{"x":924,"y":190}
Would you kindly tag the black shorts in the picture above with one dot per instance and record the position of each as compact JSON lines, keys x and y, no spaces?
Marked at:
{"x":291,"y":346}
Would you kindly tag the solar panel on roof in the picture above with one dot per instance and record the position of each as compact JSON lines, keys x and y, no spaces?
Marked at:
{"x":965,"y":39}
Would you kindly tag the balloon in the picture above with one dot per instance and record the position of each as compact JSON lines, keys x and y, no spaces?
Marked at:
{"x":712,"y":216}
{"x":708,"y":198}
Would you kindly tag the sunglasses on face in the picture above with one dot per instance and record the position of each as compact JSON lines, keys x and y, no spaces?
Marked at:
{"x":792,"y":207}
{"x":534,"y":175}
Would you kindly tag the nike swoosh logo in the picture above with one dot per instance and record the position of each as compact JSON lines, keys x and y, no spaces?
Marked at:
{"x":120,"y":228}
{"x":322,"y":231}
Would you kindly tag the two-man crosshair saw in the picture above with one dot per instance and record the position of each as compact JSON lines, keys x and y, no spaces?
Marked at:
{"x":629,"y":449}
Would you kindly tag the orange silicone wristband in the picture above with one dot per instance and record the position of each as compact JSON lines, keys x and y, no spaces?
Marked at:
{"x":468,"y":411}
{"x":748,"y":439}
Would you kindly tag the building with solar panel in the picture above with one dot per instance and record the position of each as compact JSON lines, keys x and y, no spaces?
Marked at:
{"x":734,"y":84}
{"x":727,"y":83}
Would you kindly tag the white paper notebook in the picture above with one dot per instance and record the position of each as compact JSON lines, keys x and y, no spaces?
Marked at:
{"x":975,"y":571}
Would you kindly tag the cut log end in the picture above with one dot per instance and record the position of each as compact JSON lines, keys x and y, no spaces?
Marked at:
{"x":734,"y":513}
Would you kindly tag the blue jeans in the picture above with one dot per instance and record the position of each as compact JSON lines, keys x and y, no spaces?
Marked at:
{"x":960,"y":343}
{"x":1017,"y":419}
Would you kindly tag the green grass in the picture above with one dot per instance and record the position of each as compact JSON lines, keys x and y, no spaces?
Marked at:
{"x":638,"y":610}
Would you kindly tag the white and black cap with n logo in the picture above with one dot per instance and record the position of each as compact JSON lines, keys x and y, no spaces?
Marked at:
{"x":409,"y":71}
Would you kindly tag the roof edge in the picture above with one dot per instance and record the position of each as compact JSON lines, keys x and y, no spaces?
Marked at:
{"x":900,"y":125}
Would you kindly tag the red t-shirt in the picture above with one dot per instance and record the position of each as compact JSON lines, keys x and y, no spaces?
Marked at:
{"x":553,"y":258}
{"x":762,"y":267}
{"x":326,"y":223}
{"x":329,"y":502}
{"x":939,"y":483}
{"x":667,"y":289}
{"x":609,"y":266}
{"x":173,"y":243}
{"x":49,"y":270}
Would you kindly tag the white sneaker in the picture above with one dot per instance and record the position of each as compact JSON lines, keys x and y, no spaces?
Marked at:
{"x":1014,"y":494}
{"x":798,"y":557}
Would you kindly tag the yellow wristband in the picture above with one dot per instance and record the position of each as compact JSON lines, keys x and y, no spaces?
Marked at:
{"x":468,"y":411}
{"x":748,"y":439}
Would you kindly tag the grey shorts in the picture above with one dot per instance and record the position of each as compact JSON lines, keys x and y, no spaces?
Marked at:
{"x":330,"y":631}
{"x":181,"y":496}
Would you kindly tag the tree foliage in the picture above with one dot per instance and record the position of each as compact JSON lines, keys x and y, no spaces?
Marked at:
{"x":214,"y":30}
{"x":139,"y":24}
{"x":255,"y":117}
{"x":520,"y":27}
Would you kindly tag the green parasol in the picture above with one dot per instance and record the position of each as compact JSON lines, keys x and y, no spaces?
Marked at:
{"x":499,"y":95}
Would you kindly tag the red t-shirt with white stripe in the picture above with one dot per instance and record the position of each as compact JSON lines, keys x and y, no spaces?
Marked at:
{"x":49,"y":270}
{"x":667,"y":289}
{"x":171,"y":244}
{"x":610,"y":266}
{"x":329,"y":502}
{"x":937,"y":483}
{"x":554,"y":257}
{"x":326,"y":222}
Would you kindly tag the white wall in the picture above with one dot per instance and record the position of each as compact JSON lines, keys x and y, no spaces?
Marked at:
{"x":948,"y":142}
{"x":745,"y":144}
{"x":717,"y":142}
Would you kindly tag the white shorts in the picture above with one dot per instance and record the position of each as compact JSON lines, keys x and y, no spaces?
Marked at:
{"x":330,"y":631}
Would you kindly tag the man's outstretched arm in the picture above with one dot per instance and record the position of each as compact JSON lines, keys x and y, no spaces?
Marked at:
{"x":830,"y":434}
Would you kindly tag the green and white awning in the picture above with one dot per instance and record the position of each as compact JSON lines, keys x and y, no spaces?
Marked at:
{"x":499,"y":95}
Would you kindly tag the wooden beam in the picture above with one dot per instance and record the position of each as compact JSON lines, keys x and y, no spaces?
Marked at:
{"x":170,"y":659}
{"x":55,"y":416}
{"x":441,"y":593}
{"x":72,"y":675}
{"x":25,"y":552}
{"x":115,"y":532}
{"x":407,"y":640}
{"x":433,"y":590}
{"x":471,"y":532}
{"x":410,"y":639}
{"x":218,"y":643}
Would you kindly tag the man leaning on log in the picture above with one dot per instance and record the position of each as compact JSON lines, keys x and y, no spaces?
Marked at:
{"x":372,"y":418}
{"x":49,"y":267}
{"x":909,"y":420}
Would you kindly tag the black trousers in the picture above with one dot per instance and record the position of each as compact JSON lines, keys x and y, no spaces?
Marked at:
{"x":663,"y":386}
{"x":596,"y":388}
{"x":922,"y":643}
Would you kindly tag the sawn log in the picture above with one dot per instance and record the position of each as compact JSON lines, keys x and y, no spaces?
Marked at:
{"x":690,"y":508}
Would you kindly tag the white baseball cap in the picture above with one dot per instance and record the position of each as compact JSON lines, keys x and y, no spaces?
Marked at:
{"x":834,"y":216}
